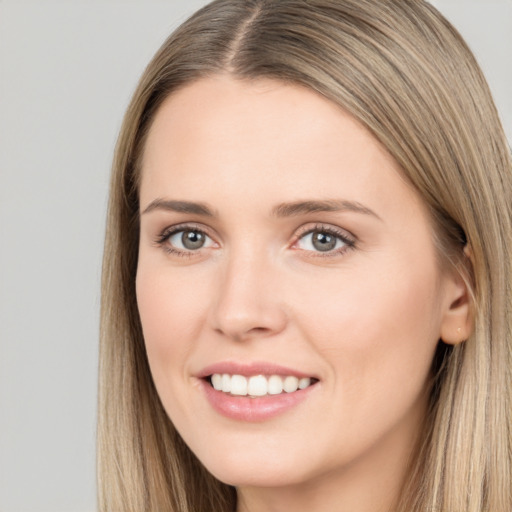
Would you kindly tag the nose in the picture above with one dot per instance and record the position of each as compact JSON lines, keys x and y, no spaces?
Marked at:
{"x":247,"y":302}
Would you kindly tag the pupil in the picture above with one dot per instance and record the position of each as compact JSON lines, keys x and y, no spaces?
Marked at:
{"x":323,"y":241}
{"x":192,"y":240}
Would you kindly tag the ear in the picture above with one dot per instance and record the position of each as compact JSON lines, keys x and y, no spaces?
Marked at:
{"x":458,"y":315}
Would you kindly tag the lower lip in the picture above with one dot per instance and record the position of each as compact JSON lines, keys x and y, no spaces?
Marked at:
{"x":244,"y":408}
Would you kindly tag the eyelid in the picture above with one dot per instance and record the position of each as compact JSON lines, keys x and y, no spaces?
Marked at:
{"x":185,"y":226}
{"x":347,"y":238}
{"x":321,"y":226}
{"x":165,"y":234}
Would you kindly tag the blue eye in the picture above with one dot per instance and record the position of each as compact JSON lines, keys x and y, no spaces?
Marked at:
{"x":323,"y":241}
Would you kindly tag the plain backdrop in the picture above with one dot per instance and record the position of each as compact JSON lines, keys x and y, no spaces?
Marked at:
{"x":67,"y":70}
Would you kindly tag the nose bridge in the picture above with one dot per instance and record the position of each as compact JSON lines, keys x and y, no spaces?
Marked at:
{"x":247,"y":301}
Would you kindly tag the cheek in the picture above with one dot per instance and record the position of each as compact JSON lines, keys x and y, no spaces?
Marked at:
{"x":171,"y":316}
{"x":378,"y":334}
{"x":373,"y":305}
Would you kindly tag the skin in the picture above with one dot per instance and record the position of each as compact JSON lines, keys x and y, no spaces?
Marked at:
{"x":364,"y":320}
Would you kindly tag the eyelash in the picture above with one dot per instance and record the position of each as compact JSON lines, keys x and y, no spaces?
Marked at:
{"x":163,"y":239}
{"x":348,"y":240}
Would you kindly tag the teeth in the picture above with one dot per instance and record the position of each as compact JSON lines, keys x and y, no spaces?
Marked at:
{"x":275,"y":385}
{"x":217,"y":381}
{"x":226,"y":383}
{"x":258,"y":385}
{"x":291,"y":384}
{"x":238,"y":385}
{"x":304,"y":383}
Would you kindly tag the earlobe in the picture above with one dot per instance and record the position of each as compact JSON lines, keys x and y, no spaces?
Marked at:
{"x":458,"y":317}
{"x":457,"y":323}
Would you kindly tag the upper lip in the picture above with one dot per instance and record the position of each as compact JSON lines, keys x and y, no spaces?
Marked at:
{"x":249,"y":369}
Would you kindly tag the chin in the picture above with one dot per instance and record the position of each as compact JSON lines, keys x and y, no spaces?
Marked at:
{"x":256,"y":477}
{"x":254,"y":470}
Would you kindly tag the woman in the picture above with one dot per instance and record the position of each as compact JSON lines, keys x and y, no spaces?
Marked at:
{"x":307,"y":277}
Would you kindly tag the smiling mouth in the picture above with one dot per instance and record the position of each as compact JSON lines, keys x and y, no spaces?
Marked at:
{"x":258,"y":385}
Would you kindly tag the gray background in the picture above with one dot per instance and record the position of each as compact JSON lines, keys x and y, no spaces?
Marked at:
{"x":67,"y":70}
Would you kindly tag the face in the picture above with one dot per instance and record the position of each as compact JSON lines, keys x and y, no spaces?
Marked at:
{"x":281,"y":248}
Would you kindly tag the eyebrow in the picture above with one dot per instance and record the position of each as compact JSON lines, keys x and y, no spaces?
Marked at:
{"x":334,"y":205}
{"x":282,"y":210}
{"x":179,"y":207}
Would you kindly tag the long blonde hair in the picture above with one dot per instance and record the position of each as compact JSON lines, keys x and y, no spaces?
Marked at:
{"x":405,"y":73}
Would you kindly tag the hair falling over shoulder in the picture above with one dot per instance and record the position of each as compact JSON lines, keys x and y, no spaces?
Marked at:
{"x":400,"y":69}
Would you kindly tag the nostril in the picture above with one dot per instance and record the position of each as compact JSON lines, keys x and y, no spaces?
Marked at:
{"x":246,"y":308}
{"x":259,"y":330}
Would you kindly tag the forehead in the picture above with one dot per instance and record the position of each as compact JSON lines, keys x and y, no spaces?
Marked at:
{"x":255,"y":112}
{"x":264,"y":139}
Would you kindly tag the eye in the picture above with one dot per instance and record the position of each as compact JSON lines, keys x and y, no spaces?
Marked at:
{"x":183,"y":240}
{"x":189,"y":240}
{"x":324,"y":240}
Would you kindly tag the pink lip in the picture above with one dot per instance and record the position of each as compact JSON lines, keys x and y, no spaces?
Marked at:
{"x":243,"y":408}
{"x":256,"y":368}
{"x":249,"y":409}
